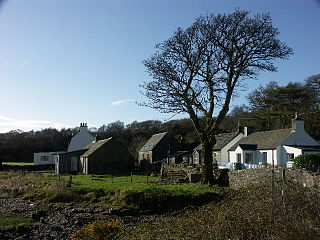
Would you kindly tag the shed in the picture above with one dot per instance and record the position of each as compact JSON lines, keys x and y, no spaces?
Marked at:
{"x":106,"y":156}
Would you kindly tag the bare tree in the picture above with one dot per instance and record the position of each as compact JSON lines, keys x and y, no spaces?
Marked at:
{"x":199,"y":68}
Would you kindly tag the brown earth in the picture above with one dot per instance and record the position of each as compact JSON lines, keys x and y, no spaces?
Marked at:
{"x":55,"y":221}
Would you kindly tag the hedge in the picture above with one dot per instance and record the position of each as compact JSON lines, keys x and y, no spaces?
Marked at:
{"x":307,"y":161}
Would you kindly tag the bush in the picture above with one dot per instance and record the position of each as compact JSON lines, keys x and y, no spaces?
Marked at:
{"x":307,"y":161}
{"x":99,"y":231}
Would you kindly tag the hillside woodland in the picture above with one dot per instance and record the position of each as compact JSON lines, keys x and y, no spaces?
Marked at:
{"x":269,"y":107}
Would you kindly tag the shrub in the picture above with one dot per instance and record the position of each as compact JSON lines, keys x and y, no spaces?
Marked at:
{"x":307,"y":161}
{"x":99,"y":230}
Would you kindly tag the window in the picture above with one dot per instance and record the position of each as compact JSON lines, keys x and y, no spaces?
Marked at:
{"x":264,"y":157}
{"x":44,"y":158}
{"x":239,"y":157}
{"x":214,"y":157}
{"x":290,"y":156}
{"x":248,"y":158}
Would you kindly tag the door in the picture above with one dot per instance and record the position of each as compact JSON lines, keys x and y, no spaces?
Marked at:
{"x":74,"y":164}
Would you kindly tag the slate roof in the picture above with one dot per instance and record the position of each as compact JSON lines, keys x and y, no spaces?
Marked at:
{"x":306,"y":148}
{"x":265,"y":140}
{"x":222,"y":140}
{"x":153,"y":141}
{"x":94,"y":146}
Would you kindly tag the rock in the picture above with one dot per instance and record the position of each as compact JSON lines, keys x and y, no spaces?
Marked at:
{"x":38,"y":215}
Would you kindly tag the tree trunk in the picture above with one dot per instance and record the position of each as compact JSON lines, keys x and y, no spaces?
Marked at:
{"x":207,"y":172}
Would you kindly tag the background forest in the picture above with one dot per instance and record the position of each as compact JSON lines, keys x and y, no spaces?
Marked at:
{"x":269,"y":107}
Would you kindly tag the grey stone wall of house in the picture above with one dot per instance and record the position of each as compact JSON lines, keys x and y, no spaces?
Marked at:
{"x":217,"y":156}
{"x":65,"y":161}
{"x":196,"y":157}
{"x":111,"y":157}
{"x":165,"y":147}
{"x":145,"y":155}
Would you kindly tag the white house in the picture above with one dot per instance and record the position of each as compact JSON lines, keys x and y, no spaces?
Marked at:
{"x":220,"y":151}
{"x":79,"y":141}
{"x":82,"y":139}
{"x":274,"y":147}
{"x":42,"y":158}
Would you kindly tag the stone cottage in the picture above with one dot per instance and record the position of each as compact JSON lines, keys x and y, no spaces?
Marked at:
{"x":158,"y":148}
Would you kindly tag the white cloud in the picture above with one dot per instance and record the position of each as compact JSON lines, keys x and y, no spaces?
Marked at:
{"x":117,"y":103}
{"x":8,"y":124}
{"x":25,"y":63}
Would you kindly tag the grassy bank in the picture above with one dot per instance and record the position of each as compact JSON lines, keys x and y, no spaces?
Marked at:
{"x":250,"y":213}
{"x":18,"y":163}
{"x":137,"y":192}
{"x":117,"y":192}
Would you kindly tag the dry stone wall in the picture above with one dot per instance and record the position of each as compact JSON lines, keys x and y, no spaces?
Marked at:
{"x":238,"y":179}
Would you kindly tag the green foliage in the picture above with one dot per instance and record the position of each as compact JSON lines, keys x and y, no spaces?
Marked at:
{"x":13,"y":221}
{"x":307,"y":161}
{"x":274,"y":98}
{"x":99,"y":231}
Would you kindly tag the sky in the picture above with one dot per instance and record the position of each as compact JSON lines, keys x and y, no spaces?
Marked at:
{"x":64,"y":62}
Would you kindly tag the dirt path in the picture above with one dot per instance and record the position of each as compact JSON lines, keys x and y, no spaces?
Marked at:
{"x":57,"y":221}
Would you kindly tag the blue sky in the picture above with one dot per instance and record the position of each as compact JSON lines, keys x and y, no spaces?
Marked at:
{"x":63,"y":62}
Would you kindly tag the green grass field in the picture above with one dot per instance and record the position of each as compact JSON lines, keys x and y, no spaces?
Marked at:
{"x":18,"y":163}
{"x":136,"y":183}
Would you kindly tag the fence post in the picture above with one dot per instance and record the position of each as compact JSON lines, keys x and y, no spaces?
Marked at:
{"x":284,"y":183}
{"x":273,"y":194}
{"x":70,"y":181}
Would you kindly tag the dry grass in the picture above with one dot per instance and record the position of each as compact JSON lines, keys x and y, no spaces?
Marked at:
{"x":251,"y":213}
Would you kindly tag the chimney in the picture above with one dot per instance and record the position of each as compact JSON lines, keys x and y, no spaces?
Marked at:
{"x":83,"y":127}
{"x":246,"y":130}
{"x":297,"y":124}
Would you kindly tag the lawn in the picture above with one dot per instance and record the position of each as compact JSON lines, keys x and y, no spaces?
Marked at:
{"x":18,"y":163}
{"x":134,"y":192}
{"x":134,"y":183}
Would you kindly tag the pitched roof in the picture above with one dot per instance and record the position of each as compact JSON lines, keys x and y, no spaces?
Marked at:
{"x":265,"y":140}
{"x":222,"y":140}
{"x":153,"y":141}
{"x":94,"y":146}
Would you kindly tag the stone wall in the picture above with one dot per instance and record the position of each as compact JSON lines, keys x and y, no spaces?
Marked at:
{"x":241,"y":178}
{"x":238,"y":179}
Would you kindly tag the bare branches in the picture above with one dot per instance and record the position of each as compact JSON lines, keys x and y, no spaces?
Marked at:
{"x":198,"y":68}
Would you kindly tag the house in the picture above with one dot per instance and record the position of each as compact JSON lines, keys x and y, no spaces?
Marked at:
{"x":220,"y":150}
{"x":179,"y":157}
{"x":274,"y":147}
{"x":78,"y":142}
{"x":81,"y":139}
{"x":43,"y":158}
{"x":158,"y":147}
{"x":69,"y":162}
{"x":106,"y":156}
